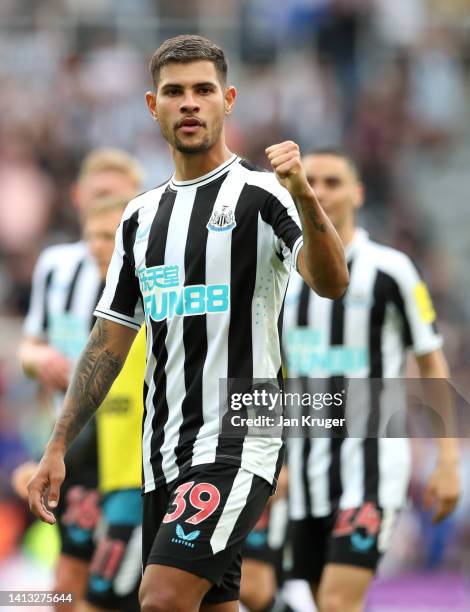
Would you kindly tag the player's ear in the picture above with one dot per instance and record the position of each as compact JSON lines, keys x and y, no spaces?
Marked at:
{"x":151,"y":100}
{"x":229,"y":95}
{"x":76,"y":195}
{"x":360,"y":196}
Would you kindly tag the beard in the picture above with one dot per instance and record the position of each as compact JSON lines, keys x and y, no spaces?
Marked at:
{"x":192,"y":149}
{"x":209,"y":138}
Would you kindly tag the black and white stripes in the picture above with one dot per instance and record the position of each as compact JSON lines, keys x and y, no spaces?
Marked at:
{"x":66,"y":288}
{"x":364,"y":336}
{"x":206,"y":264}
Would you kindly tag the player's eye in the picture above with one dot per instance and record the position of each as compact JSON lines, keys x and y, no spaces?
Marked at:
{"x":204,"y":90}
{"x":332,"y":182}
{"x":172,"y":91}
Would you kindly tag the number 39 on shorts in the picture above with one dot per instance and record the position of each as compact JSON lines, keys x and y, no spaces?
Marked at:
{"x":204,"y":497}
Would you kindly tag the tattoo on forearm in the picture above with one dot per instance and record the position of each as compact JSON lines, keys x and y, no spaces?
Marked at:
{"x":313,"y":216}
{"x":91,"y":381}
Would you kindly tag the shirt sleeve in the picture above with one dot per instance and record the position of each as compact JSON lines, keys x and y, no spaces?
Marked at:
{"x":280,"y":212}
{"x":121,"y":301}
{"x":417,"y":309}
{"x":36,"y":322}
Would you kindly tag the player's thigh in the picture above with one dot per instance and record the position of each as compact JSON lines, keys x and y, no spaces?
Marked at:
{"x":166,"y":588}
{"x":178,"y":591}
{"x":343,"y":588}
{"x":71,"y":576}
{"x":258,"y":583}
{"x":227,"y":606}
{"x":116,"y":567}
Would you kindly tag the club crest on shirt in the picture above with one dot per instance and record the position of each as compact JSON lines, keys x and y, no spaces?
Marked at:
{"x":222,"y":220}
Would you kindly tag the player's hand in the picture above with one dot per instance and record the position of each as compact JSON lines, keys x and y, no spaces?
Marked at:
{"x":287,"y":164}
{"x":21,"y":476}
{"x":51,"y":368}
{"x":442,"y":491}
{"x":44,"y":486}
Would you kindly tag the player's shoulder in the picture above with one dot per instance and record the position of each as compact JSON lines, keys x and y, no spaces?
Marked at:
{"x":391,"y":261}
{"x":265,"y":180}
{"x":149,"y":198}
{"x":57,"y":255}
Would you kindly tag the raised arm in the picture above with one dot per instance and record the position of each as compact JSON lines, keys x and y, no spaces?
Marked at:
{"x":98,"y":366}
{"x":321,"y":260}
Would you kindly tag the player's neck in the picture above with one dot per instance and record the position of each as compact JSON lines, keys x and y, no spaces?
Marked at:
{"x":192,"y":166}
{"x":346,"y":233}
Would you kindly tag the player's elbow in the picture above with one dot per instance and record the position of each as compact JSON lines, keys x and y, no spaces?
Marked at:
{"x":332,"y":289}
{"x":331,"y":293}
{"x":328,"y":281}
{"x":433,"y":365}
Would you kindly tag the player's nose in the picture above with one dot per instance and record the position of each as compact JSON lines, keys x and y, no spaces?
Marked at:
{"x":189,"y":104}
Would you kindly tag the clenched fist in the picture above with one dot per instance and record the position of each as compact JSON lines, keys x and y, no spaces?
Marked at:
{"x":287,"y":164}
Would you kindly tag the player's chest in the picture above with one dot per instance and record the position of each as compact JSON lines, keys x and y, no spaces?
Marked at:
{"x":191,"y":230}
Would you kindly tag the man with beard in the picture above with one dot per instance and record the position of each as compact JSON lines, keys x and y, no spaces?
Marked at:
{"x":204,"y":259}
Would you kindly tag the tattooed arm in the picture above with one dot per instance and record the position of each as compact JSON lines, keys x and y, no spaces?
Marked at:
{"x":98,"y":366}
{"x":321,"y":260}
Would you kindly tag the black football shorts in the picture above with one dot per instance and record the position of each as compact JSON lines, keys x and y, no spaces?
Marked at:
{"x":198,"y":523}
{"x":351,"y":536}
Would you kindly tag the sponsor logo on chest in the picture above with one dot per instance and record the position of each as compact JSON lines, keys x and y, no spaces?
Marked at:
{"x":164,"y":295}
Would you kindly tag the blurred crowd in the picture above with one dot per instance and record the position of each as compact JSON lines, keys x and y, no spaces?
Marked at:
{"x":387,"y":79}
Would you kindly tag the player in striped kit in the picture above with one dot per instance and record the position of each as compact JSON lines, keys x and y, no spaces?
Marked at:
{"x":67,"y":283}
{"x":345,"y":492}
{"x":204,"y":259}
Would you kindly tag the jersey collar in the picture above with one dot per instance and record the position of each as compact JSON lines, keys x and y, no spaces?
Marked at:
{"x":359,"y":239}
{"x":206,"y":178}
